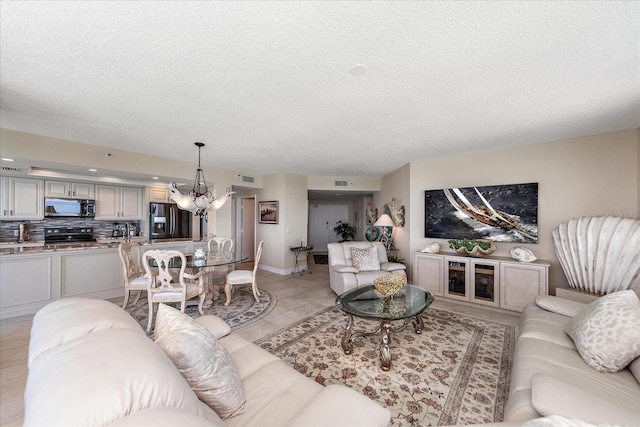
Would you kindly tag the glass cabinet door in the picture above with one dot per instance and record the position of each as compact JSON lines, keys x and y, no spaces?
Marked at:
{"x":485,"y":282}
{"x":457,"y":279}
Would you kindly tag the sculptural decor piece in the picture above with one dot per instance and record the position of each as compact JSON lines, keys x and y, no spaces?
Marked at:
{"x":476,"y":248}
{"x":599,"y":255}
{"x":522,"y":254}
{"x":431,"y":248}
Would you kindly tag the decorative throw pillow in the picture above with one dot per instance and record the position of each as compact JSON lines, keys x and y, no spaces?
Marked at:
{"x":606,"y":332}
{"x":202,"y":361}
{"x":365,"y":259}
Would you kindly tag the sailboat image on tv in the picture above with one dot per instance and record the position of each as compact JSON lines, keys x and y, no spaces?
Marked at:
{"x":484,"y":213}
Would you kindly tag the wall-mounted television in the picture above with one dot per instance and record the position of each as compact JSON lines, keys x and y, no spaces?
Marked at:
{"x":503,"y":213}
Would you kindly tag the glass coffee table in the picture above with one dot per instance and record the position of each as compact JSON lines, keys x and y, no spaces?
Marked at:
{"x":364,"y":302}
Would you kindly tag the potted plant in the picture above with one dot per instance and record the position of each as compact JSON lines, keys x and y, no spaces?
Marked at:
{"x":346,"y":231}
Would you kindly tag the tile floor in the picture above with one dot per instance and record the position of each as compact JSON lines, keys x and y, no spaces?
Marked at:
{"x":297,"y":296}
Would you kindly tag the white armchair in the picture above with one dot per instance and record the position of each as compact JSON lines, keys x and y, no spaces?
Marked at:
{"x":371,"y":262}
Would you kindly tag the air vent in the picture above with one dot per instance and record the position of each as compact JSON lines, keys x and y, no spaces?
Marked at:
{"x":10,"y":169}
{"x":341,"y":183}
{"x":247,"y":179}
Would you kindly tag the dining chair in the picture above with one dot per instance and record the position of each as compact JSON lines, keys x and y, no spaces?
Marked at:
{"x":244,"y":277}
{"x":134,"y":277}
{"x":162,"y":286}
{"x":218,"y":247}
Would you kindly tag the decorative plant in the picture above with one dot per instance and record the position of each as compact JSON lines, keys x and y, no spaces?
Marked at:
{"x":346,"y":231}
{"x":394,"y":258}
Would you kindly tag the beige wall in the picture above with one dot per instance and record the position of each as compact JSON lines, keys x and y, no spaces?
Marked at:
{"x":589,"y":176}
{"x":397,"y":184}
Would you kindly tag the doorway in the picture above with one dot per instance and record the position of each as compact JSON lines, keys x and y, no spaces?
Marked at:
{"x":246,"y":227}
{"x":322,"y":220}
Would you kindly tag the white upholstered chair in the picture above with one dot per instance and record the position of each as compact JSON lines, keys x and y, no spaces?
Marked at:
{"x":134,"y":278}
{"x":244,"y":277}
{"x":162,"y":286}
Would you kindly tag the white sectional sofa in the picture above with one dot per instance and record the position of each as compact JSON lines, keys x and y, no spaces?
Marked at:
{"x":551,"y":378}
{"x":345,"y":273}
{"x":90,"y":363}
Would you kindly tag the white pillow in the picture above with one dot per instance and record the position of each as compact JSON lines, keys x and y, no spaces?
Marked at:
{"x":202,"y":361}
{"x":365,"y":259}
{"x":606,"y":332}
{"x":558,"y":305}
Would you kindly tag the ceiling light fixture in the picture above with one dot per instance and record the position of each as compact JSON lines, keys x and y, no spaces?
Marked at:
{"x":6,"y":159}
{"x":199,"y":199}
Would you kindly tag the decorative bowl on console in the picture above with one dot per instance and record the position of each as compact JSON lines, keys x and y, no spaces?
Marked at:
{"x":476,"y":248}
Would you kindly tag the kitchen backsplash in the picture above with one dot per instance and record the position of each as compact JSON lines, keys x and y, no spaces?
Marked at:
{"x":36,"y":228}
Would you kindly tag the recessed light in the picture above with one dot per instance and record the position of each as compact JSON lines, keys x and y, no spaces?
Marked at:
{"x":358,"y":69}
{"x":155,"y":177}
{"x":6,"y":159}
{"x":93,"y":170}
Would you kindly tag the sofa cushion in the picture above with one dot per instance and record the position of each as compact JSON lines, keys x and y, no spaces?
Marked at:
{"x":553,"y":396}
{"x":204,"y":363}
{"x":365,"y":259}
{"x":561,"y":306}
{"x":71,"y":318}
{"x":102,"y":377}
{"x":162,"y":416}
{"x":606,"y":332}
{"x":634,"y":367}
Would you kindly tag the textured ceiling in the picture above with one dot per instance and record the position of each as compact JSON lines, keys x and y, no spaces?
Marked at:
{"x":267,"y":85}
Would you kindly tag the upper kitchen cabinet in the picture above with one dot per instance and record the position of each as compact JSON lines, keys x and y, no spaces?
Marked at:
{"x":76,"y":190}
{"x":158,"y":194}
{"x":21,"y":198}
{"x":118,"y":203}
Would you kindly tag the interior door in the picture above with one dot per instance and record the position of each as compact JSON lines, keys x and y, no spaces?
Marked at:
{"x":322,"y":220}
{"x":246,"y":227}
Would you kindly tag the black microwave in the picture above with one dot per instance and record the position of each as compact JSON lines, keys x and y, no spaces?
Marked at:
{"x":54,"y":208}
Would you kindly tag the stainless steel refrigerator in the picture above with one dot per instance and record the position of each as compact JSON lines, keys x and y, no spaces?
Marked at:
{"x":166,"y":221}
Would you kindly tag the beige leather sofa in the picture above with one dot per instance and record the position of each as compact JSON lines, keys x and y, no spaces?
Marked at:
{"x":550,"y":378}
{"x":344,"y":275}
{"x":90,"y":363}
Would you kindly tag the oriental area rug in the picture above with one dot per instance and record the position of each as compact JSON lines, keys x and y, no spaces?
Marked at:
{"x":243,"y":310}
{"x":456,"y":372}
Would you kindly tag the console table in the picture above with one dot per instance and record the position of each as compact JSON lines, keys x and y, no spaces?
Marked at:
{"x":492,"y":281}
{"x":304,"y":250}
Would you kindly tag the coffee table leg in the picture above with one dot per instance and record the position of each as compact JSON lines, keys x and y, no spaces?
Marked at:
{"x":385,"y":345}
{"x":347,"y":341}
{"x":418,"y":324}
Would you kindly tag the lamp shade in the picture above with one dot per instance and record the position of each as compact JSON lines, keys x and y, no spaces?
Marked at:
{"x":384,"y":221}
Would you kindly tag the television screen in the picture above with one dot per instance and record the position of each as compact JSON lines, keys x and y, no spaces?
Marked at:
{"x":503,"y":213}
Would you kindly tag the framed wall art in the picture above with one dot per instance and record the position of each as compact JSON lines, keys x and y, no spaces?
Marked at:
{"x":502,"y":213}
{"x":268,"y":212}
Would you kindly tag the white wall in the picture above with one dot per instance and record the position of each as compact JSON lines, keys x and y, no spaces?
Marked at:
{"x":588,"y":176}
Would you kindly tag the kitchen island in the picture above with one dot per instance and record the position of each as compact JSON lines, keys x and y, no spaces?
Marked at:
{"x":34,"y":274}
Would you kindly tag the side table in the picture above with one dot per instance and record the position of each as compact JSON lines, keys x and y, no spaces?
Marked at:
{"x":304,"y":250}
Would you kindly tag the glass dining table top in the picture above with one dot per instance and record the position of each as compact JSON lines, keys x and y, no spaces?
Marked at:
{"x":210,"y":259}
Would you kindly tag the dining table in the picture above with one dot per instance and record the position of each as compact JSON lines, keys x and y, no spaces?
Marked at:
{"x":207,"y":262}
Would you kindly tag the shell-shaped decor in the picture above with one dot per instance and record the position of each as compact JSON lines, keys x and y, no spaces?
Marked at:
{"x":431,"y":248}
{"x":522,"y":254}
{"x":599,"y":255}
{"x":476,"y":248}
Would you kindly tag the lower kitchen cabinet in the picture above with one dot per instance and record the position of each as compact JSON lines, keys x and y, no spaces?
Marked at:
{"x":29,"y":281}
{"x":498,"y":282}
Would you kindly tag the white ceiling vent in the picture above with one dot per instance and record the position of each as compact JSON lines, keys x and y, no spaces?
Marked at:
{"x":248,"y":179}
{"x":341,"y":183}
{"x":10,"y":169}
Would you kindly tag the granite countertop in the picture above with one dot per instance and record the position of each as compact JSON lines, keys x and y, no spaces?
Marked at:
{"x":32,"y":247}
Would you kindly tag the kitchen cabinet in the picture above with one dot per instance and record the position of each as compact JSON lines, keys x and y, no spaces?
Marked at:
{"x":489,"y":281}
{"x":158,"y":195}
{"x":21,"y":199}
{"x":77,"y":190}
{"x":118,"y":203}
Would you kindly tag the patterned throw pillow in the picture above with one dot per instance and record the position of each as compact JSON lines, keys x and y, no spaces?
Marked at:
{"x":365,"y":259}
{"x":606,"y":332}
{"x":202,"y":361}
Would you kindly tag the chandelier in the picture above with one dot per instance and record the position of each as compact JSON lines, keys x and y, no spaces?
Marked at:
{"x":199,"y":199}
